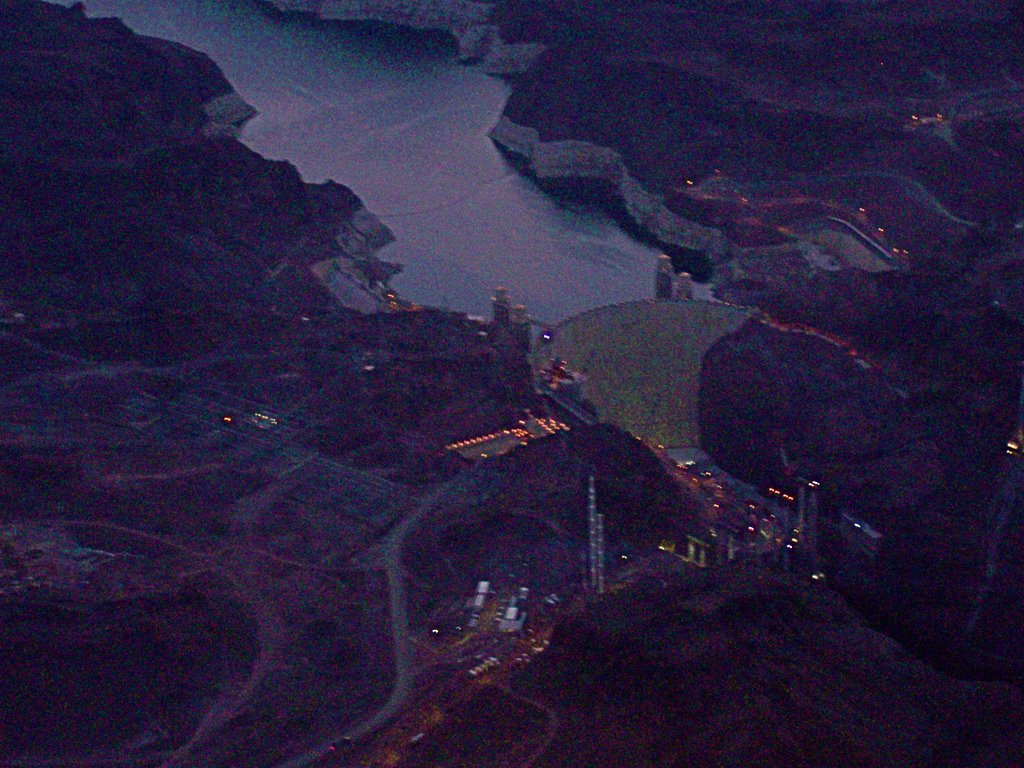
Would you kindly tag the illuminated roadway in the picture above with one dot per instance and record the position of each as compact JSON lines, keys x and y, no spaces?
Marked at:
{"x":885,"y":255}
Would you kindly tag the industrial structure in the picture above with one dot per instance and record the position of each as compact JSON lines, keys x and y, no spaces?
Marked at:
{"x":510,"y":323}
{"x":663,"y":279}
{"x":502,"y":441}
{"x":513,"y":618}
{"x":595,"y":528}
{"x":668,"y":286}
{"x":807,"y":515}
{"x":1015,"y":445}
{"x":500,"y":307}
{"x":804,"y":530}
{"x":564,"y":387}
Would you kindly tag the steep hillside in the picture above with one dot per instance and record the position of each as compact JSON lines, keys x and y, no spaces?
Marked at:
{"x":124,"y":192}
{"x":748,"y":669}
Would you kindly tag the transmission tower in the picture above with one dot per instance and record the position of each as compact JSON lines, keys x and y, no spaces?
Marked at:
{"x":595,"y":527}
{"x":1018,"y":434}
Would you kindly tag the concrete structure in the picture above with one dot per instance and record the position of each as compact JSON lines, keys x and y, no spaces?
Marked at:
{"x":556,"y":378}
{"x":595,"y":529}
{"x":565,"y":388}
{"x":500,"y":306}
{"x":641,"y":361}
{"x":668,"y":286}
{"x":512,"y":620}
{"x":511,"y":323}
{"x":696,"y":552}
{"x":519,"y":328}
{"x":663,"y":279}
{"x":683,"y":290}
{"x":490,"y":445}
{"x":501,"y":442}
{"x":690,"y":457}
{"x":804,"y":530}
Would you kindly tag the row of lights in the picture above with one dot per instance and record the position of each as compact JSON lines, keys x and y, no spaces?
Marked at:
{"x":550,"y":426}
{"x":520,"y":433}
{"x":779,"y":493}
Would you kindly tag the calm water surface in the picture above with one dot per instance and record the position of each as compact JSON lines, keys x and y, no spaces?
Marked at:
{"x":395,"y":117}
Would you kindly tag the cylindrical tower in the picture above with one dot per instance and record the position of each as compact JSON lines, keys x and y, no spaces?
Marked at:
{"x":684,"y":286}
{"x":520,"y":322}
{"x":500,"y":306}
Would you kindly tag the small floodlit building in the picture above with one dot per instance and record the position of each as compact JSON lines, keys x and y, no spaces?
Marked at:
{"x":512,"y":620}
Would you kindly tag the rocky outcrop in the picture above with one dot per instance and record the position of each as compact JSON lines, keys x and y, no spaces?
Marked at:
{"x":465,"y":20}
{"x":920,"y":462}
{"x":764,"y":390}
{"x":226,"y":115}
{"x":357,"y":277}
{"x":572,"y":160}
{"x":363,"y":234}
{"x":75,"y":89}
{"x":125,"y":191}
{"x":483,"y":43}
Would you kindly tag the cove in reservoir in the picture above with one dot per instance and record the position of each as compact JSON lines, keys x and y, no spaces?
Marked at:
{"x":393,"y":115}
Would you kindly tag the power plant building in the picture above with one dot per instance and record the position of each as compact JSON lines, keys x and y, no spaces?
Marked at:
{"x":512,"y":620}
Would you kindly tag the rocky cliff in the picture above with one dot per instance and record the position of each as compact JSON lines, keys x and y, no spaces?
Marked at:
{"x":468,"y":22}
{"x":572,"y":160}
{"x":908,"y":439}
{"x":686,"y":91}
{"x":125,"y":192}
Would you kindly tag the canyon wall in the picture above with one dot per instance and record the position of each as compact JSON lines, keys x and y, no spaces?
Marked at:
{"x":584,"y":160}
{"x":467,"y":22}
{"x":126,"y":191}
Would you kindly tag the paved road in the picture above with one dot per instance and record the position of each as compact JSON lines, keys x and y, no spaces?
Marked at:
{"x":549,"y":732}
{"x":920,"y":191}
{"x":390,"y":557}
{"x":887,"y":257}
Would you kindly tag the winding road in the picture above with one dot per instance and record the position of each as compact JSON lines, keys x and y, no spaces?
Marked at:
{"x":388,"y":555}
{"x":549,"y":733}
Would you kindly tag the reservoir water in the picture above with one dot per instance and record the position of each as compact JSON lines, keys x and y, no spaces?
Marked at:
{"x":395,"y":117}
